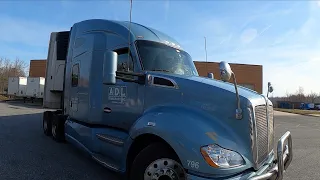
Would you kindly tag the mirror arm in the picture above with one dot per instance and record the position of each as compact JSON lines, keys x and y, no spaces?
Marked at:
{"x":226,"y":73}
{"x":238,"y":110}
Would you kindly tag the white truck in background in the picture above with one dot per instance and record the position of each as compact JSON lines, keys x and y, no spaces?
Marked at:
{"x":35,"y":87}
{"x":17,"y":86}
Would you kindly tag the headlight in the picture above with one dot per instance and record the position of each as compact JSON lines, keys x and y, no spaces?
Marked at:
{"x":219,"y":157}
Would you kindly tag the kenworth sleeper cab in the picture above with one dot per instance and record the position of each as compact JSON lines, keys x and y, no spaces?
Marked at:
{"x":131,"y":97}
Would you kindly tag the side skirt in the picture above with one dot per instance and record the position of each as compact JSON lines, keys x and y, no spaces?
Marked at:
{"x":97,"y":157}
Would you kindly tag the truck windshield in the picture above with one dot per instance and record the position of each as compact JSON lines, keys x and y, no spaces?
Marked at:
{"x":160,"y":57}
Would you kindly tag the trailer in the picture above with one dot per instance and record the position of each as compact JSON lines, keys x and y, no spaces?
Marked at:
{"x":53,"y":90}
{"x":307,"y":106}
{"x":132,"y":99}
{"x":35,"y":87}
{"x":17,"y":86}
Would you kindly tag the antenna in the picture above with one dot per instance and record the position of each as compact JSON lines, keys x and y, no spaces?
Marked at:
{"x":128,"y":62}
{"x":205,"y":48}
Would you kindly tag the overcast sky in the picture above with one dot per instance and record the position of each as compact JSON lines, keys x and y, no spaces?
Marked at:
{"x":281,"y":36}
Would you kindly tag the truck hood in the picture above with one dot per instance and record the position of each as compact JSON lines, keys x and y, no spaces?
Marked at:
{"x":244,"y":92}
{"x":193,"y":82}
{"x":217,"y":100}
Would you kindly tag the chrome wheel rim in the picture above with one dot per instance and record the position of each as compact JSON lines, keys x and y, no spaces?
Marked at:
{"x":164,"y":169}
{"x":54,"y":130}
{"x":45,"y":125}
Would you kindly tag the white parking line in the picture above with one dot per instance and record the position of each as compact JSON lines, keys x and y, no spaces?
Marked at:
{"x":277,"y":126}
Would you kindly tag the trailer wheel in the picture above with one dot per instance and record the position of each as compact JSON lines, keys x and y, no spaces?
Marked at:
{"x":58,"y":128}
{"x":46,"y":123}
{"x":156,"y":161}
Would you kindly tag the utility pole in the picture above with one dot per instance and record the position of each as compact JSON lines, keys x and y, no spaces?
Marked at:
{"x":205,"y":49}
{"x":129,"y":44}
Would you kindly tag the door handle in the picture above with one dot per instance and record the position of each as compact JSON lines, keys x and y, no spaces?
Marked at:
{"x":107,"y":110}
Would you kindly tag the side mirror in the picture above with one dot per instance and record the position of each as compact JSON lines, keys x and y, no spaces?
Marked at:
{"x":270,"y":88}
{"x":225,"y":74}
{"x":210,"y":75}
{"x":110,"y":62}
{"x":225,"y":71}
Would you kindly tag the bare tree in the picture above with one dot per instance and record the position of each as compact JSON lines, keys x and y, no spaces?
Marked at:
{"x":10,"y":68}
{"x":301,"y":90}
{"x":312,"y":97}
{"x":287,"y":98}
{"x":298,"y":96}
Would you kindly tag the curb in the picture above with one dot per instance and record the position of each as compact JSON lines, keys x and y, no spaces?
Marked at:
{"x":312,"y":115}
{"x":300,"y":114}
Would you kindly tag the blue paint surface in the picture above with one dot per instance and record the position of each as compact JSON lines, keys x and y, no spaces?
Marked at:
{"x":182,"y":114}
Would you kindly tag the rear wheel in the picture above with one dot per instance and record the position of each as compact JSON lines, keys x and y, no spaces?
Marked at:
{"x":46,"y":123}
{"x":57,"y":129}
{"x":157,"y":162}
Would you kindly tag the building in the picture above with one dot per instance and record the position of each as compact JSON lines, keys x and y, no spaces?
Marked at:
{"x":37,"y":68}
{"x":247,"y":75}
{"x":316,"y":100}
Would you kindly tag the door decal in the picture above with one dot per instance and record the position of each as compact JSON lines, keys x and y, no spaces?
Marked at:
{"x":117,"y":94}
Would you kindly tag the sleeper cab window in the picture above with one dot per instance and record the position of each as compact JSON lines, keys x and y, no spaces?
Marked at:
{"x":123,"y":62}
{"x":75,"y":75}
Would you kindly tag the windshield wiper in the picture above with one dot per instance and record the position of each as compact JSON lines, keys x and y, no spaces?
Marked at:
{"x":162,"y":70}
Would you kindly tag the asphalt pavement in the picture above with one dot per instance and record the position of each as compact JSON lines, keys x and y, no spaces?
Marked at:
{"x":305,"y":132}
{"x":26,"y":153}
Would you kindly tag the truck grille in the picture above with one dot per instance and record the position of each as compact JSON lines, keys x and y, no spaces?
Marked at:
{"x":264,"y":130}
{"x":271,"y":133}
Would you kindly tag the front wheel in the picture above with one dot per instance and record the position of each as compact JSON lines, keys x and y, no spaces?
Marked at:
{"x":157,"y":162}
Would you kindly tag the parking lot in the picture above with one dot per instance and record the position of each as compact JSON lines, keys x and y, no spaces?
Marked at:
{"x":25,"y":153}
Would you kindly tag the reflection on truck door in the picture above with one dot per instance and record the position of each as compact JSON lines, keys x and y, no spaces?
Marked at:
{"x":74,"y":88}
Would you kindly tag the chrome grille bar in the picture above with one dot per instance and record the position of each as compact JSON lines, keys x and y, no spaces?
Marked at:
{"x":262,"y":132}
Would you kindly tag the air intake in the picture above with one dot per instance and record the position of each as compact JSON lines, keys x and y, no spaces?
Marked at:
{"x":62,"y":40}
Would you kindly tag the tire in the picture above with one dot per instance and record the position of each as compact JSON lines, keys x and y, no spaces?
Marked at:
{"x":155,"y":160}
{"x":46,"y":123}
{"x":57,"y":129}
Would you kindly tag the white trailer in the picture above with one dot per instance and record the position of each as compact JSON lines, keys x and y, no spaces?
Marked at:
{"x":35,"y":87}
{"x":17,"y":86}
{"x":55,"y":71}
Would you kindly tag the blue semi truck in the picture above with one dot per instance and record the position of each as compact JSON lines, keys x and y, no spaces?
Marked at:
{"x":131,"y":98}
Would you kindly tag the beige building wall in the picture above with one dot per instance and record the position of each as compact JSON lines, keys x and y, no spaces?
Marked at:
{"x":38,"y":68}
{"x":247,"y":75}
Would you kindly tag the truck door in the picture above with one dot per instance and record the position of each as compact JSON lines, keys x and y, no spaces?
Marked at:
{"x":75,"y":77}
{"x":122,"y":102}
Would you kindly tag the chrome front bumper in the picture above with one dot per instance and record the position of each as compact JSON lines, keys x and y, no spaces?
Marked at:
{"x":274,"y":171}
{"x":284,"y":158}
